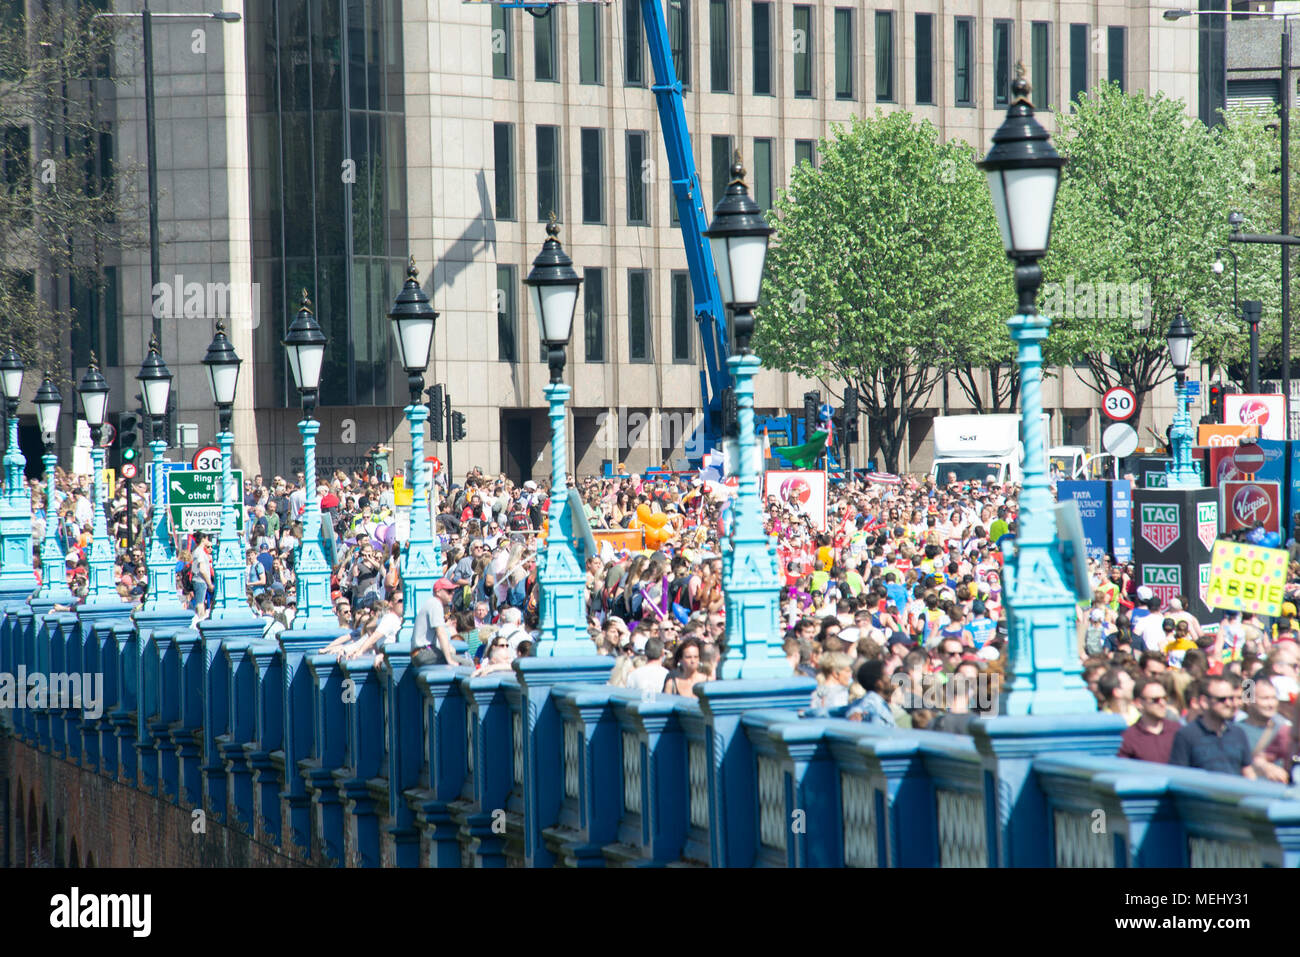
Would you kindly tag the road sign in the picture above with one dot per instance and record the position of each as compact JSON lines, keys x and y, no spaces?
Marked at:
{"x":434,"y":464}
{"x":1248,"y":458}
{"x":194,"y":500}
{"x":1119,"y":439}
{"x":1118,"y":403}
{"x":207,"y":459}
{"x":1193,"y":388}
{"x":128,"y":470}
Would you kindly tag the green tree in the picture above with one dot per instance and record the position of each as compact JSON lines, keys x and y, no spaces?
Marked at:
{"x":62,"y":199}
{"x":1141,"y":217}
{"x":886,"y":268}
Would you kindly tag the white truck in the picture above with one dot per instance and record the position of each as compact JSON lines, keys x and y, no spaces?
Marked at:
{"x":974,"y":447}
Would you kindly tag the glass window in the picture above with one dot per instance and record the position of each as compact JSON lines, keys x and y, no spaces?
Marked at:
{"x":679,"y":39}
{"x":843,"y":53}
{"x":721,"y":167}
{"x":1002,"y":62}
{"x":15,"y":160}
{"x":884,"y":56}
{"x":1078,"y":59}
{"x":504,"y":137}
{"x":507,"y":316}
{"x":719,"y":47}
{"x":1041,"y":62}
{"x":683,"y":311}
{"x":963,"y":32}
{"x":1116,"y":67}
{"x":501,"y":63}
{"x":638,"y":210}
{"x":633,"y":46}
{"x":593,"y":178}
{"x":762,"y":16}
{"x":588,"y":42}
{"x":544,"y":46}
{"x":803,"y":51}
{"x":593,"y":312}
{"x":763,"y":173}
{"x":638,"y":315}
{"x":925,"y":58}
{"x":548,"y":172}
{"x":805,"y":151}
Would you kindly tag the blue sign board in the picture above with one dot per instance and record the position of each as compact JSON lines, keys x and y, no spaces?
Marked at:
{"x":1193,"y":389}
{"x":1121,"y":520}
{"x":1090,"y":496}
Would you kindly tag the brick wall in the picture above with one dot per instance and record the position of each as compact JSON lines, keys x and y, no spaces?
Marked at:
{"x":85,"y":818}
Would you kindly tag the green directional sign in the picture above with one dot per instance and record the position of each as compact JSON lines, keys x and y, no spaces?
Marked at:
{"x":194,"y":500}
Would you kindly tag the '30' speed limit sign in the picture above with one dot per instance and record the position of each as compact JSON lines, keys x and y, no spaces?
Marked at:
{"x":1118,"y":403}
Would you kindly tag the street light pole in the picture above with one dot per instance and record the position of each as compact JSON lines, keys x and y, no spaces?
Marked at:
{"x":1024,"y":171}
{"x":54,"y":573}
{"x":155,"y":388}
{"x":93,"y":392}
{"x":553,"y":284}
{"x":1182,"y":473}
{"x":223,"y":377}
{"x":17,"y":577}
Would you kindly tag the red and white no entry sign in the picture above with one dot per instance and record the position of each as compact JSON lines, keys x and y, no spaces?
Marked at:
{"x":434,"y":465}
{"x":1248,"y":459}
{"x":1118,"y":403}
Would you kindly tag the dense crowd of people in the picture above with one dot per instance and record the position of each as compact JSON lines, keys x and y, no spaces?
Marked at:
{"x":894,"y":606}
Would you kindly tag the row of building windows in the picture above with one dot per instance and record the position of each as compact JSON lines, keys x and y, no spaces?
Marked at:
{"x":638,"y":172}
{"x":1082,"y":38}
{"x":592,"y":328}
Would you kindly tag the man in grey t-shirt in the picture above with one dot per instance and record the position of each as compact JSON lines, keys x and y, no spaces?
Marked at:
{"x":430,"y":642}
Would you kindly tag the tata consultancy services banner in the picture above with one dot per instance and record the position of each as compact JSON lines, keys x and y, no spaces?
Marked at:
{"x":1091,"y":498}
{"x":1121,"y":520}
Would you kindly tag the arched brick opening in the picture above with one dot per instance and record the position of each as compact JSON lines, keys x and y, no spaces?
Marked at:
{"x":60,"y":842}
{"x":74,"y":858}
{"x":19,"y":817}
{"x":33,"y":835}
{"x":45,"y":854}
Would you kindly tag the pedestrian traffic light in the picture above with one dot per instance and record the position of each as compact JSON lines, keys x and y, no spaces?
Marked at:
{"x":811,"y":401}
{"x":457,"y":426}
{"x":128,"y":436}
{"x":435,"y":413}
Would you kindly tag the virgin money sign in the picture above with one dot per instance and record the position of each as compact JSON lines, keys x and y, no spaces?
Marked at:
{"x":1159,"y":524}
{"x":1247,"y":504}
{"x":1265,"y":412}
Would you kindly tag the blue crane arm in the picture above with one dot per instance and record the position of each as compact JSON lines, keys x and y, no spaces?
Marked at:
{"x":693,"y":217}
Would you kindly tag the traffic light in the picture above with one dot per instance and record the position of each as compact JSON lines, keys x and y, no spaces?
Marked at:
{"x":435,"y":413}
{"x":851,"y":413}
{"x":811,"y":401}
{"x":128,"y":436}
{"x":730,"y":415}
{"x":457,"y":426}
{"x":1216,"y":402}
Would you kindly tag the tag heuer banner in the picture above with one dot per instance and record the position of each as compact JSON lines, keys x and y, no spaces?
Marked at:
{"x":1175,"y":530}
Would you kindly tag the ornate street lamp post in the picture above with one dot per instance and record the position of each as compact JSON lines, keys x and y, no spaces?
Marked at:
{"x":739,"y":236}
{"x":1024,"y":171}
{"x":155,"y":390}
{"x":553,"y":290}
{"x":1182,"y":473}
{"x":93,"y":391}
{"x":17,"y":577}
{"x":413,"y":321}
{"x":54,"y":581}
{"x":305,"y":346}
{"x":223,"y":376}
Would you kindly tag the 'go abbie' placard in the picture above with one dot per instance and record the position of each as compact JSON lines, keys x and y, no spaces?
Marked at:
{"x":1247,"y":577}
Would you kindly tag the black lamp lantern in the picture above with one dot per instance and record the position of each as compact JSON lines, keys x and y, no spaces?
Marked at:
{"x":11,"y":379}
{"x":1179,"y":338}
{"x":413,"y":322}
{"x":93,"y":391}
{"x":49,"y":403}
{"x":155,"y":384}
{"x":553,"y":288}
{"x":739,"y":236}
{"x":223,"y":373}
{"x":1024,"y":171}
{"x":305,"y":344}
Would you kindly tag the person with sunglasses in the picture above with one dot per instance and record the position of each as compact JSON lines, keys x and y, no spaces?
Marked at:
{"x":1151,"y":738}
{"x":1213,"y":741}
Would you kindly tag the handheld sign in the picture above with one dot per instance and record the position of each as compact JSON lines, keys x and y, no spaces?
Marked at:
{"x":1247,"y":578}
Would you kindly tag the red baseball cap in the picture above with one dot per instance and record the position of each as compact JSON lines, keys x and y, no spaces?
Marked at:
{"x":444,"y":584}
